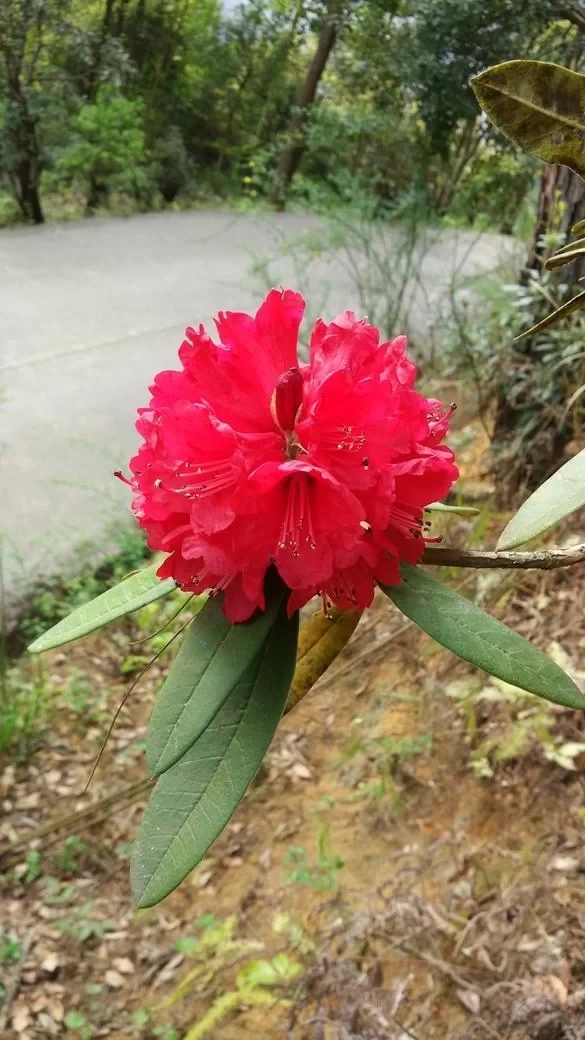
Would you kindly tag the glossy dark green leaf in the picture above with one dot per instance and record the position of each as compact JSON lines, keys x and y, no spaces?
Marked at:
{"x":193,"y":801}
{"x":129,"y":595}
{"x":559,"y":496}
{"x":465,"y":629}
{"x":213,"y":657}
{"x":539,"y":106}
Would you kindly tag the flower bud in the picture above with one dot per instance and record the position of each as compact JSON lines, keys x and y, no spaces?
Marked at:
{"x":287,"y":399}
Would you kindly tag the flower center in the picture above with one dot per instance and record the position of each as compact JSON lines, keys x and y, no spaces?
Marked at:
{"x":293,"y":447}
{"x":297,"y":529}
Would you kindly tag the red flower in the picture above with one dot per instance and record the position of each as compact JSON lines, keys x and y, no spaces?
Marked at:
{"x":251,"y":460}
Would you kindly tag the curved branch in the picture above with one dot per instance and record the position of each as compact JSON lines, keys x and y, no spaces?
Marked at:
{"x":542,"y":560}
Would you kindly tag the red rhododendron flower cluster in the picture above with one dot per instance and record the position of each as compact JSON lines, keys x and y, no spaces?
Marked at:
{"x":251,"y":459}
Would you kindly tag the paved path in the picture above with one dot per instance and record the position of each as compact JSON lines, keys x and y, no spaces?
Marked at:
{"x":88,"y":313}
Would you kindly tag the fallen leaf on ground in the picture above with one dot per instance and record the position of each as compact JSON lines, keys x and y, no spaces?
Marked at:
{"x":114,"y":979}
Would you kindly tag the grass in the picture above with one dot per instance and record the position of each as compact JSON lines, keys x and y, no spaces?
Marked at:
{"x":27,"y":693}
{"x":52,"y":600}
{"x":320,"y":874}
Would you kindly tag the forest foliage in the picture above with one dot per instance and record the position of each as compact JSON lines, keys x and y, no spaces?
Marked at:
{"x":147,"y":103}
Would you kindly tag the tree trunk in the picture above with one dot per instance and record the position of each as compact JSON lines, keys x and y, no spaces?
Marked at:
{"x":29,"y":198}
{"x":559,"y":186}
{"x":528,"y":438}
{"x":26,"y":171}
{"x":293,"y":151}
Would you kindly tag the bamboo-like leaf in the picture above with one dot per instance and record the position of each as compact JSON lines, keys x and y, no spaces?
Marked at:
{"x":126,"y":597}
{"x":559,"y":496}
{"x":539,"y":106}
{"x":193,"y":801}
{"x":213,"y":657}
{"x":575,"y":396}
{"x":458,"y":624}
{"x":578,"y":243}
{"x":440,"y":507}
{"x":563,"y":257}
{"x":578,"y":228}
{"x":576,"y":304}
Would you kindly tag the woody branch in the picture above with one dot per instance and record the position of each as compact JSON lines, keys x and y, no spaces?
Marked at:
{"x":542,"y":559}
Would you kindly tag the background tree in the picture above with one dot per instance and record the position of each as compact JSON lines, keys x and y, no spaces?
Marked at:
{"x":26,"y":90}
{"x":108,"y":152}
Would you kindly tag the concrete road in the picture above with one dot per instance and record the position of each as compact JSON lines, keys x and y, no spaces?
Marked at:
{"x":90,"y":311}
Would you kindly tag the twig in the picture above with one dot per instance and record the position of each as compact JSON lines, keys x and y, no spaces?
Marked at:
{"x":542,"y":560}
{"x":72,"y":822}
{"x":440,"y":965}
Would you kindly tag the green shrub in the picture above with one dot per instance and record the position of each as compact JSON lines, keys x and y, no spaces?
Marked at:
{"x":171,"y":167}
{"x":108,"y":153}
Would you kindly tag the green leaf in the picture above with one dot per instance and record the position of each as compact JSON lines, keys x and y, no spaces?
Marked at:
{"x":563,"y":257}
{"x":193,"y":801}
{"x":576,"y":304}
{"x":129,"y":595}
{"x":458,"y":624}
{"x":75,"y":1020}
{"x":539,"y":106}
{"x":560,"y":495}
{"x":212,"y":659}
{"x":258,"y":973}
{"x":578,"y":243}
{"x":440,"y":507}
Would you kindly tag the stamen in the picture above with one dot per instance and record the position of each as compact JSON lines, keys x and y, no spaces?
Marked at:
{"x":214,"y":477}
{"x":408,"y":523}
{"x":298,"y":518}
{"x":343,"y":438}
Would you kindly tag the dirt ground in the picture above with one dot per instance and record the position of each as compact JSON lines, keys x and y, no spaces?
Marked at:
{"x":407,"y":894}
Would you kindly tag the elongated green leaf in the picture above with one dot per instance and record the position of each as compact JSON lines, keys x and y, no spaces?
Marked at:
{"x":129,"y":595}
{"x":560,"y":495}
{"x":440,"y":507}
{"x":576,"y":304}
{"x":539,"y":106}
{"x":458,"y":624}
{"x":212,"y":659}
{"x":192,"y":802}
{"x":578,"y":243}
{"x":564,"y":257}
